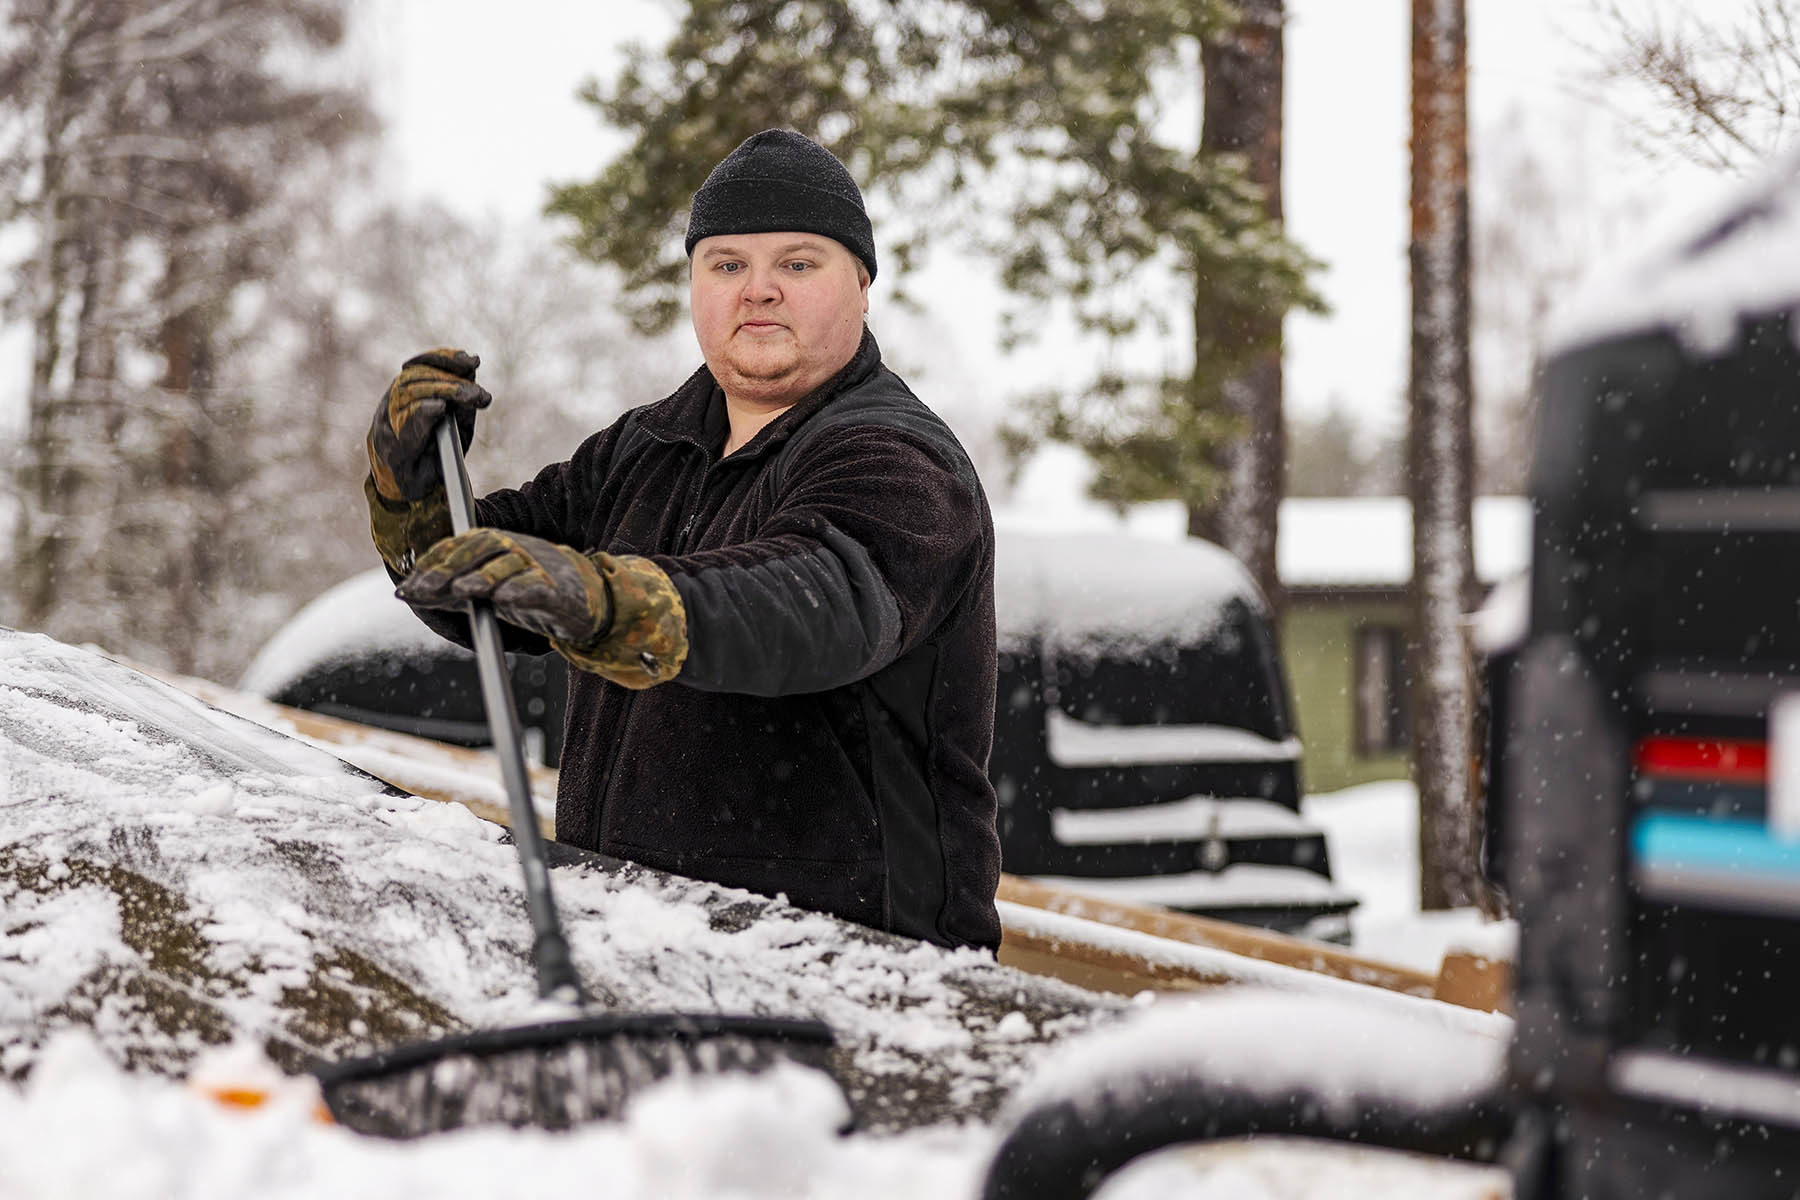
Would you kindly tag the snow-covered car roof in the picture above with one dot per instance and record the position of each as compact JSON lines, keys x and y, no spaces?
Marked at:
{"x":1698,"y":283}
{"x":173,"y":877}
{"x":358,"y":617}
{"x":1101,"y":591}
{"x":1114,"y":593}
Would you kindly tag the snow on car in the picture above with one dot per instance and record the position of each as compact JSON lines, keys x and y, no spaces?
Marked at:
{"x":174,"y":877}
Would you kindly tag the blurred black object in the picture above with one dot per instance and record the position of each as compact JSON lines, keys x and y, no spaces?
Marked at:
{"x":1659,"y":905}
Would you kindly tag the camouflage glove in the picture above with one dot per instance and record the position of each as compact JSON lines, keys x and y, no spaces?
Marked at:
{"x":403,"y":530}
{"x":618,"y":616}
{"x":402,"y":439}
{"x":648,"y":640}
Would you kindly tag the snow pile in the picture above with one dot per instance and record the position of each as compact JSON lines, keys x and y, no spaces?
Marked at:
{"x":1244,"y":1059}
{"x":772,"y":1137}
{"x":1241,"y":885}
{"x":1279,"y":1044}
{"x":1194,"y":817}
{"x":1287,"y":1169}
{"x":1074,"y":743}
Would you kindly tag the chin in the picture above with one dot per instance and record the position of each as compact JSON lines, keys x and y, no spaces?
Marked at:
{"x":765,"y":374}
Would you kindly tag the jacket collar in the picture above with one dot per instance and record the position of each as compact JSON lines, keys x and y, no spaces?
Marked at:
{"x":695,"y":411}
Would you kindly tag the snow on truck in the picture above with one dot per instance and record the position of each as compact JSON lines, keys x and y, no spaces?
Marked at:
{"x":1144,"y":747}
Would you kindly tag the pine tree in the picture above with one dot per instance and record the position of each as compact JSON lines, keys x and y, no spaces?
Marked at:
{"x":1243,"y":67}
{"x":1032,"y":129}
{"x":1440,"y":462}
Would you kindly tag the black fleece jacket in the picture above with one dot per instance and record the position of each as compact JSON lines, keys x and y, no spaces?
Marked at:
{"x":828,"y":735}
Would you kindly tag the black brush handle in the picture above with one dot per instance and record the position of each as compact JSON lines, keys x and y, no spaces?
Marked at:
{"x":549,"y":948}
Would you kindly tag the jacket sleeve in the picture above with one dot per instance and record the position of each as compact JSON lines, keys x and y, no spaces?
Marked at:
{"x":875,"y":536}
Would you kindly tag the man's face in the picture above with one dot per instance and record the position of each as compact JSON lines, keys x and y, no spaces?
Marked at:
{"x":777,"y":314}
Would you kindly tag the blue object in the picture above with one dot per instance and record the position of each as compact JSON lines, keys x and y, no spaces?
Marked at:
{"x":1694,"y":842}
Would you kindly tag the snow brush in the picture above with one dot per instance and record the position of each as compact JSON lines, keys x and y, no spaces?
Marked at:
{"x":552,"y":1074}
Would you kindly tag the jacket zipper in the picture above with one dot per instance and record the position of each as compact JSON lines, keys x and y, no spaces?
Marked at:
{"x":682,"y":539}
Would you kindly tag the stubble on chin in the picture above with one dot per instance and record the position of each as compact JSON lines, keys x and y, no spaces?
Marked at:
{"x":768,"y":384}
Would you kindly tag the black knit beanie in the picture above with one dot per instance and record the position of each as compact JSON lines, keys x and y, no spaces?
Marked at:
{"x":780,"y":181}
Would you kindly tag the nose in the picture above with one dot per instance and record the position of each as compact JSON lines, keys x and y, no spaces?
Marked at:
{"x":762,"y":284}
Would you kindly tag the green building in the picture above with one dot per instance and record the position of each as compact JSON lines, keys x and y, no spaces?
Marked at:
{"x":1345,"y":563}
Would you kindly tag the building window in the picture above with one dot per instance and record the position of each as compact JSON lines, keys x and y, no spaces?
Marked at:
{"x":1380,"y":690}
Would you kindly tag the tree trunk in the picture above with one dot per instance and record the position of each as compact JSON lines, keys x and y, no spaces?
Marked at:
{"x":188,"y":480}
{"x":1440,"y":458}
{"x":39,"y":537}
{"x":1242,"y":115}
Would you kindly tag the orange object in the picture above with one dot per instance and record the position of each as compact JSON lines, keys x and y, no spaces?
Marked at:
{"x":237,"y":1096}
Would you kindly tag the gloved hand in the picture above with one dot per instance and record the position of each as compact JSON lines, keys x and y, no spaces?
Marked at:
{"x":402,"y":439}
{"x":617,"y":615}
{"x":532,"y":583}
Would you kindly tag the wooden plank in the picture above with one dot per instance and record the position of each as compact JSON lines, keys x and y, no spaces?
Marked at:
{"x":1476,"y":981}
{"x":1218,"y":935}
{"x":1088,"y":967}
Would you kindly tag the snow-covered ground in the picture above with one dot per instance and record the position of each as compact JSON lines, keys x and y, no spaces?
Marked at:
{"x":1372,"y":834}
{"x":167,"y":870}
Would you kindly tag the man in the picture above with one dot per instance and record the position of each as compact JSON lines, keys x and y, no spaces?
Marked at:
{"x":776,"y":584}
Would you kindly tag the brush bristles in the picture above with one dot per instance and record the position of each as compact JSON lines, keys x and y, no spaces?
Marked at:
{"x":545,"y":1087}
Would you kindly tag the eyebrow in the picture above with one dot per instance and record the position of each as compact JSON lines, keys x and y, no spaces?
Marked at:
{"x":730,"y":251}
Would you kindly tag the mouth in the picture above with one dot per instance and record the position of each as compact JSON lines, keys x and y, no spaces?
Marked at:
{"x":760,"y":326}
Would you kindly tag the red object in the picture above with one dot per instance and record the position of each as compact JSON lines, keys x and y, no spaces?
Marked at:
{"x":1704,"y":758}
